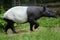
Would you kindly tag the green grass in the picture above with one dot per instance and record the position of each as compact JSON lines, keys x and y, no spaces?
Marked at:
{"x":42,"y":34}
{"x":46,"y":30}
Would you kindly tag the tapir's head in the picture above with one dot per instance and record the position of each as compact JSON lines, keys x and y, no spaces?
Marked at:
{"x":49,"y":13}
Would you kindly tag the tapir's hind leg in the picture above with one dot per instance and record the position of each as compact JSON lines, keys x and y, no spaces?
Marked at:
{"x":10,"y":24}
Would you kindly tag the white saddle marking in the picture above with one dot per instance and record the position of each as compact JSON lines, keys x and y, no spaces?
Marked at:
{"x":18,"y":14}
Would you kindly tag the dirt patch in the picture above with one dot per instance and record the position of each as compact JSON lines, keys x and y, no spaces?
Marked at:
{"x":17,"y":30}
{"x":56,"y":28}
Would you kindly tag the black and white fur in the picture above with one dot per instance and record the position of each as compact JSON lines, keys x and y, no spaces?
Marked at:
{"x":23,"y":14}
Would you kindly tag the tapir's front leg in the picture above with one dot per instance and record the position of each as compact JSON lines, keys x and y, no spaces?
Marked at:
{"x":36,"y":24}
{"x":31,"y":26}
{"x":33,"y":22}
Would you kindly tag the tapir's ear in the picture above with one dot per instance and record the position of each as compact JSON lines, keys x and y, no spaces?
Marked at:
{"x":44,"y":8}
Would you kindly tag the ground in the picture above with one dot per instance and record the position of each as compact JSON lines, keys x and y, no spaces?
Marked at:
{"x":21,"y":31}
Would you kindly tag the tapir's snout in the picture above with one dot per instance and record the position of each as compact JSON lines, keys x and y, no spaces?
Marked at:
{"x":52,"y":14}
{"x":55,"y":16}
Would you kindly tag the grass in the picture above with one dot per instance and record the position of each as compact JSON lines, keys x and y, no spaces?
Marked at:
{"x":46,"y":31}
{"x":42,"y":34}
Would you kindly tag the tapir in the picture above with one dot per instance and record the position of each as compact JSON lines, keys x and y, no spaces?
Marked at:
{"x":24,"y":14}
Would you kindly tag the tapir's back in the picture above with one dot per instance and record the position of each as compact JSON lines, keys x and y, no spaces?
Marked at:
{"x":18,"y":14}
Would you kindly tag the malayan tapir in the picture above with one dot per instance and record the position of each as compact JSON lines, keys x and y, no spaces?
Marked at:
{"x":24,"y":14}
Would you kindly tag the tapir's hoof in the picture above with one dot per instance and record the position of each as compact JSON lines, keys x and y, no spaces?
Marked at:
{"x":31,"y":30}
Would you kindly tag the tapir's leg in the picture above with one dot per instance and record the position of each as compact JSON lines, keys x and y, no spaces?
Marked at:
{"x":31,"y":26}
{"x":10,"y":24}
{"x":12,"y":27}
{"x":30,"y":20}
{"x":36,"y":25}
{"x":33,"y":22}
{"x":6,"y":28}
